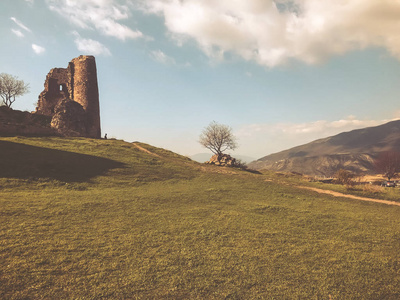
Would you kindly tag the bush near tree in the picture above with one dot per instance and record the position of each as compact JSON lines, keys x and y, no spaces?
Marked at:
{"x":344,"y":177}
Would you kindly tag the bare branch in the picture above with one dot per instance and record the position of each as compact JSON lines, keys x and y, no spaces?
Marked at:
{"x":218,"y":138}
{"x":11,"y":87}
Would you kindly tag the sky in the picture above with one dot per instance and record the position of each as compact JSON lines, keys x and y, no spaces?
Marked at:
{"x":280,"y":73}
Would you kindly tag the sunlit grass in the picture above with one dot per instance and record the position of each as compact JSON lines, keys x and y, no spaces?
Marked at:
{"x":166,"y":227}
{"x":358,"y":189}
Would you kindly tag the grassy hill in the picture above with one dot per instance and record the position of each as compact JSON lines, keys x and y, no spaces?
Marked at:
{"x":90,"y":219}
{"x":354,"y":151}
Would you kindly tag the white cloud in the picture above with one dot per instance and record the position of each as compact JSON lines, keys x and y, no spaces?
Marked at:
{"x":17,"y":32}
{"x":272,"y":32}
{"x":20,"y":24}
{"x":102,"y":15}
{"x":161,"y":57}
{"x":38,"y":49}
{"x":264,"y":139}
{"x":30,"y":1}
{"x":90,"y":46}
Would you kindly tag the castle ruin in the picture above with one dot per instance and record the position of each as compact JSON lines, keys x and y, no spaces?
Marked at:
{"x":71,"y":98}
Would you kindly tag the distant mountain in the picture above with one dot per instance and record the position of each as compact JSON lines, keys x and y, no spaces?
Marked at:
{"x":203,"y":157}
{"x":354,"y":151}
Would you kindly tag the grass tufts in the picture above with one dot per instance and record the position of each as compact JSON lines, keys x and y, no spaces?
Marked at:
{"x":156,"y":225}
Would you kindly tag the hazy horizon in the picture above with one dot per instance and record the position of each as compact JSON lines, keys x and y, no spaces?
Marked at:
{"x":280,"y":73}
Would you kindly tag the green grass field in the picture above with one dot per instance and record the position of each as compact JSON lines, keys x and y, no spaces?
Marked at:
{"x":101,"y":219}
{"x":357,"y":189}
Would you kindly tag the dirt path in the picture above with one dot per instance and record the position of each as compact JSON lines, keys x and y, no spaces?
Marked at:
{"x":321,"y":191}
{"x":145,"y":150}
{"x":337,"y":194}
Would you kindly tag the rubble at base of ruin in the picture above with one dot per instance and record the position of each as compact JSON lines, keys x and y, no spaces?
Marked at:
{"x":71,"y":98}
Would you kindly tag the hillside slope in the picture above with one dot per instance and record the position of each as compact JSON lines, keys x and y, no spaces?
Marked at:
{"x":106,"y":219}
{"x":354,"y":150}
{"x":84,"y":161}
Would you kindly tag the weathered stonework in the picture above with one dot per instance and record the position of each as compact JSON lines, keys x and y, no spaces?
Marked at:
{"x":16,"y":122}
{"x":223,"y":160}
{"x":77,"y":83}
{"x":69,"y":118}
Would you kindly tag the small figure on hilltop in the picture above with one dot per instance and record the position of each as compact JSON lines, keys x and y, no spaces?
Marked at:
{"x":105,"y":136}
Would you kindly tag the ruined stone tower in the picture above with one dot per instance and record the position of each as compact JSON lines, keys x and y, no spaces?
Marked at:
{"x":71,"y":97}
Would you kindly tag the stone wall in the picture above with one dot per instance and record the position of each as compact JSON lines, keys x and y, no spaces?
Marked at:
{"x":23,"y":123}
{"x":77,"y":83}
{"x":56,"y":88}
{"x":86,"y":92}
{"x":223,"y":160}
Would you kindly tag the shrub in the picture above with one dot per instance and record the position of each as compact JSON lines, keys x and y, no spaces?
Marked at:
{"x":344,"y":177}
{"x":372,"y":189}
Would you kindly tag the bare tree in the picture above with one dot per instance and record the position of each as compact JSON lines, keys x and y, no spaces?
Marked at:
{"x":218,"y":138}
{"x":388,"y":163}
{"x":11,"y":87}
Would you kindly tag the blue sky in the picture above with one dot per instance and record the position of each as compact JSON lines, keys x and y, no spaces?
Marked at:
{"x":280,"y":73}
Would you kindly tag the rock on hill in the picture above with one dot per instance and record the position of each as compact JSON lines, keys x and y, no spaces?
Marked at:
{"x":354,"y":151}
{"x":203,"y":157}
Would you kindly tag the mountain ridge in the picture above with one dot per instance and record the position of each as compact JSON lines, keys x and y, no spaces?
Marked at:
{"x":353,"y":150}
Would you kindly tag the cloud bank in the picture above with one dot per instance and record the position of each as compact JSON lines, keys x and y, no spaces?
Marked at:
{"x":273,"y":32}
{"x":102,"y":15}
{"x":90,"y":46}
{"x":268,"y":32}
